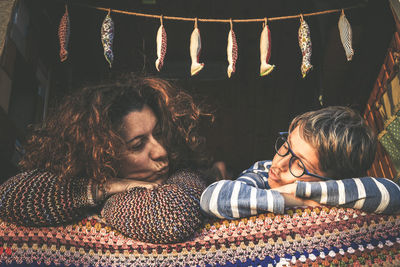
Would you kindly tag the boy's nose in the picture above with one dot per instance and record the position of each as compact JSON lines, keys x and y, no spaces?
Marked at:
{"x":282,"y":162}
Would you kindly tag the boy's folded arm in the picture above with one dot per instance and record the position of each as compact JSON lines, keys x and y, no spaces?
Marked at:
{"x":237,"y":199}
{"x":378,"y":195}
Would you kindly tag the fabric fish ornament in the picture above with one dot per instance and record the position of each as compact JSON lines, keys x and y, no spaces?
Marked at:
{"x":63,"y":35}
{"x":346,"y":36}
{"x":265,"y":51}
{"x":195,"y":48}
{"x":305,"y":46}
{"x":232,"y":51}
{"x":161,"y":46}
{"x":107,"y":37}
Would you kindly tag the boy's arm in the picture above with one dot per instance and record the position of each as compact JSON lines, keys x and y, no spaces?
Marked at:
{"x":378,"y":195}
{"x":243,"y":197}
{"x":240,"y":198}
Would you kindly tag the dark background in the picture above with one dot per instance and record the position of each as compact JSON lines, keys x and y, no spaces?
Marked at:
{"x":249,"y":109}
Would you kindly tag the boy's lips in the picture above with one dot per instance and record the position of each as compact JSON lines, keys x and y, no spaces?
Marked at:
{"x":272,"y":175}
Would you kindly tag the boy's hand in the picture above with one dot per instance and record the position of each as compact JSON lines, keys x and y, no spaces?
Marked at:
{"x":292,"y":201}
{"x":287,"y":189}
{"x":289,"y":194}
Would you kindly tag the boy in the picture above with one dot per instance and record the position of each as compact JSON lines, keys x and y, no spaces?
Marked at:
{"x":321,"y":148}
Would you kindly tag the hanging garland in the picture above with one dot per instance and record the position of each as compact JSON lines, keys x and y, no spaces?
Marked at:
{"x":304,"y":36}
{"x":195,"y":49}
{"x":63,"y":35}
{"x":265,"y":51}
{"x":107,"y":38}
{"x":305,"y":46}
{"x":346,"y":36}
{"x":161,"y":45}
{"x":231,"y":51}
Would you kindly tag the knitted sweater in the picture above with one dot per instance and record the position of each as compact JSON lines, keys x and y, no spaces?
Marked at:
{"x":38,"y":198}
{"x":169,"y":213}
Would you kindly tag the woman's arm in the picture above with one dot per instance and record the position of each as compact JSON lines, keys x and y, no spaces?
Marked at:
{"x":41,"y":199}
{"x":378,"y":195}
{"x":168,"y":213}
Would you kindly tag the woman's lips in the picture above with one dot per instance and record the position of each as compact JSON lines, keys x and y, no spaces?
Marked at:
{"x":163,"y":170}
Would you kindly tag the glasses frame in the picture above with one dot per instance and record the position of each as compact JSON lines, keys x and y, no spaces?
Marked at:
{"x":293,"y":156}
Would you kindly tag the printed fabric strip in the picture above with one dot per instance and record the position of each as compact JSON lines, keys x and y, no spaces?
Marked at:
{"x":301,"y":237}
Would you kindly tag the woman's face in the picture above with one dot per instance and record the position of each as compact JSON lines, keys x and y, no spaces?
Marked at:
{"x":279,"y":173}
{"x":146,"y":158}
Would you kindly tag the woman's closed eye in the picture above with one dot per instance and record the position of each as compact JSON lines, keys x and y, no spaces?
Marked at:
{"x":138,"y":144}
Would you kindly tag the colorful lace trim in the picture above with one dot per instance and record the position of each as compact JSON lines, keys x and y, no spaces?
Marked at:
{"x":301,"y":237}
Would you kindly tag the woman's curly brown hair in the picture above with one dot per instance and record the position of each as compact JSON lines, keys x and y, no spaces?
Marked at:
{"x":82,"y":137}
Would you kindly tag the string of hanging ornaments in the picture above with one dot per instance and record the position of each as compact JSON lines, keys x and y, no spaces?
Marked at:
{"x":304,"y":38}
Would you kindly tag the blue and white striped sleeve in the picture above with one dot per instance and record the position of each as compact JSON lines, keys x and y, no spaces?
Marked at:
{"x":236,"y":199}
{"x":377,"y":195}
{"x":246,"y":196}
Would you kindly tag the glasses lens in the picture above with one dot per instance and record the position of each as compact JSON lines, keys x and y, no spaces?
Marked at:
{"x":281,"y":146}
{"x":296,"y":167}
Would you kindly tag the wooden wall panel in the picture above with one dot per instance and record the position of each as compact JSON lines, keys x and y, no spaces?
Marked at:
{"x":382,"y":166}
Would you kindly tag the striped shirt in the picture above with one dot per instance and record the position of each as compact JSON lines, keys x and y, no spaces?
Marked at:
{"x":250,"y":194}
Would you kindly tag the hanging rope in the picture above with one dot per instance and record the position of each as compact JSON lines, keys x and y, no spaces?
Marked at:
{"x":219,"y":20}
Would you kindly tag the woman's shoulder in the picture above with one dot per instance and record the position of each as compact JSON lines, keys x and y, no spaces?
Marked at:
{"x":188,"y":177}
{"x":25,"y":174}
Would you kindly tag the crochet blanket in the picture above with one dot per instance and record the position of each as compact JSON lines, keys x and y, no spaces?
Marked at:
{"x":301,"y":237}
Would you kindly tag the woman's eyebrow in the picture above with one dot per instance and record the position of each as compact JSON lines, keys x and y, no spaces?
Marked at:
{"x":134,"y":138}
{"x":143,"y":135}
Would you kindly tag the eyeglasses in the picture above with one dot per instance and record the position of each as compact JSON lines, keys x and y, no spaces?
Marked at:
{"x":296,"y":166}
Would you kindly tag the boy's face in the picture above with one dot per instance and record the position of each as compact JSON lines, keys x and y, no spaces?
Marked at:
{"x":279,"y":173}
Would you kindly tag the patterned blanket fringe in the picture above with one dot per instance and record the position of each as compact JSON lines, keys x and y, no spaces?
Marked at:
{"x":301,"y":237}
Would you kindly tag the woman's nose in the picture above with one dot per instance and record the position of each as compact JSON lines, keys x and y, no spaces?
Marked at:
{"x":157,"y":152}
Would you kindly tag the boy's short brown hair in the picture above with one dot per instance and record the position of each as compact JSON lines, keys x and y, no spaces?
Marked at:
{"x":345,"y":144}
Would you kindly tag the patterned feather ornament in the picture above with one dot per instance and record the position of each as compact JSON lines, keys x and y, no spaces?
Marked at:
{"x":195,"y":49}
{"x":63,"y":35}
{"x":265,"y":51}
{"x":161,"y":46}
{"x":305,"y":46}
{"x":232,"y":52}
{"x":346,"y":35}
{"x":107,"y":37}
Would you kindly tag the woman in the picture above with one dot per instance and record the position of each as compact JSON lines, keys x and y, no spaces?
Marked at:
{"x":123,"y":137}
